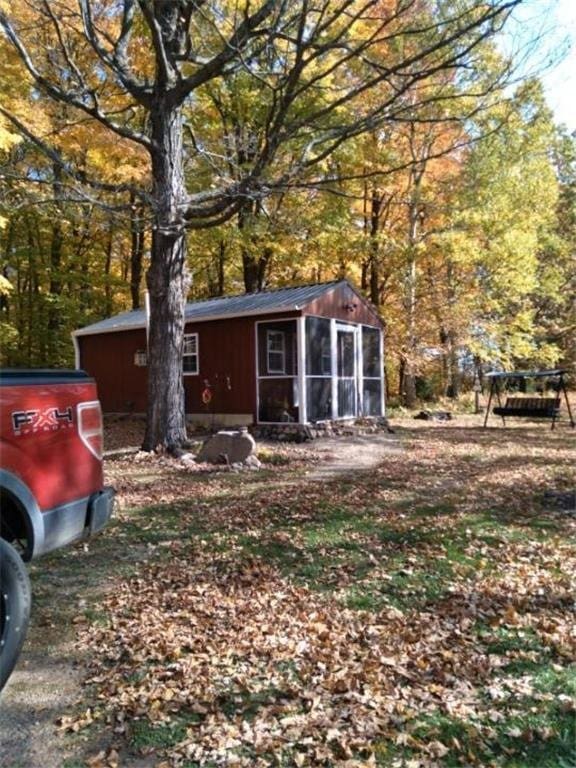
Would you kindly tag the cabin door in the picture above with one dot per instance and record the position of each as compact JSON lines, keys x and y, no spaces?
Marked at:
{"x":347,"y":370}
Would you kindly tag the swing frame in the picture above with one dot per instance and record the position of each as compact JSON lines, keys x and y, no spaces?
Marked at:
{"x":532,"y":408}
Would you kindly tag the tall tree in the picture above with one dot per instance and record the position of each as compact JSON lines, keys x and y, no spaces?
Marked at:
{"x":503,"y":217}
{"x":315,"y":64}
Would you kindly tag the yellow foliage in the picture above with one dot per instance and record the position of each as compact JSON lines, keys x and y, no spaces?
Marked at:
{"x":6,"y":286}
{"x":7,"y":137}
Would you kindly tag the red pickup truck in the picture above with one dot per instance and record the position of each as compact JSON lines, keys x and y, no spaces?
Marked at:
{"x":51,"y":483}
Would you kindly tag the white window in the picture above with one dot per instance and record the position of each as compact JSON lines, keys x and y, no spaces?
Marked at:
{"x":276,"y":349}
{"x":190,"y":365}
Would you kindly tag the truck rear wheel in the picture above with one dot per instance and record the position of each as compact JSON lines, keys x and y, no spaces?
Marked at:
{"x":15,"y":601}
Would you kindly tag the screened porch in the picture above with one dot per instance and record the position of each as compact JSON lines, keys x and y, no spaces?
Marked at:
{"x":312,"y":369}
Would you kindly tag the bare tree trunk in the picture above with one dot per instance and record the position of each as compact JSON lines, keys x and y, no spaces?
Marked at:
{"x":409,"y":373}
{"x":453,"y":388}
{"x":83,"y":260}
{"x":136,"y":251}
{"x":366,"y":229}
{"x":414,"y":221}
{"x":108,"y":268}
{"x":4,"y":303}
{"x":168,"y":282}
{"x":254,"y":267}
{"x":55,"y":284}
{"x":221,"y":263}
{"x":375,"y":211}
{"x":215,"y":271}
{"x":250,"y":271}
{"x":250,"y":263}
{"x":407,"y":382}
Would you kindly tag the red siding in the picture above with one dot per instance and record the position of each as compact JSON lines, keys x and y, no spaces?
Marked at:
{"x":344,"y":304}
{"x":227,"y":359}
{"x":109,"y":357}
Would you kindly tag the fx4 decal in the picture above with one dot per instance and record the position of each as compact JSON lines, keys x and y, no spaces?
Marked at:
{"x":45,"y":420}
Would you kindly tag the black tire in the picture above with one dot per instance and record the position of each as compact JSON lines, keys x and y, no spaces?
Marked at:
{"x":15,"y":601}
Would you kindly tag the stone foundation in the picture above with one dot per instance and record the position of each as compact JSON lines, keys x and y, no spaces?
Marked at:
{"x":300,"y":433}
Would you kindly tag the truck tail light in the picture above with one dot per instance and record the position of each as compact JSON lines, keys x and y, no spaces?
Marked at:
{"x":90,"y":427}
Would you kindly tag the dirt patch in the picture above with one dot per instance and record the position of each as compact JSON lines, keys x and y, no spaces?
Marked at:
{"x":45,"y":684}
{"x":348,"y":455}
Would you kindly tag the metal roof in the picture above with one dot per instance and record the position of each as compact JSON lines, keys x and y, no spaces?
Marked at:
{"x":265,"y":302}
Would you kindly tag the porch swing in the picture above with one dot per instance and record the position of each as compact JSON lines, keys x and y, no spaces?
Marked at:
{"x":539,"y":407}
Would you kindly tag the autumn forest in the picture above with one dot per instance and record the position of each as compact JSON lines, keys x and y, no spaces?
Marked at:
{"x":390,"y":142}
{"x":394,"y":593}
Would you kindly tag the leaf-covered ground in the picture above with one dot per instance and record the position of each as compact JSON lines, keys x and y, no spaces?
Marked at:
{"x":420,"y":614}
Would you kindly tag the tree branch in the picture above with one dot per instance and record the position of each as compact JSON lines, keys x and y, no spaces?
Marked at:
{"x":237,"y":43}
{"x":55,"y":156}
{"x":165,"y":73}
{"x":117,"y":63}
{"x":67,"y":97}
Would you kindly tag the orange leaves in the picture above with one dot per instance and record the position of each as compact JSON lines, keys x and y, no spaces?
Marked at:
{"x":226,"y":634}
{"x":238,"y":639}
{"x":104,"y":759}
{"x":77,"y":723}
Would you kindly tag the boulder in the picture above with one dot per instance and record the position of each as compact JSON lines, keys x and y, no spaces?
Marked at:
{"x":227,"y":447}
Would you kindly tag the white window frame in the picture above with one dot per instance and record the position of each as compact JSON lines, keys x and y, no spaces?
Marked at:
{"x":192,"y":355}
{"x":281,"y":334}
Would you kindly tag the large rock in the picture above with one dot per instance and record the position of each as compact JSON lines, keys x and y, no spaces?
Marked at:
{"x":227,"y":447}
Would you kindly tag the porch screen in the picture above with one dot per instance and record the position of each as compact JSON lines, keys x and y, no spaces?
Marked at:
{"x":277,"y":371}
{"x":318,"y":354}
{"x":318,"y":369}
{"x":319,"y":398}
{"x":371,"y":372}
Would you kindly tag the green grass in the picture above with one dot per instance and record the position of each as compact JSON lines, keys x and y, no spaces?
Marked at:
{"x":537,"y":731}
{"x":419,"y":561}
{"x":146,"y":736}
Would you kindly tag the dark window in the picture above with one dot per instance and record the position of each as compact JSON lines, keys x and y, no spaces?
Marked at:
{"x":371,"y":352}
{"x":278,"y":400}
{"x":318,"y":347}
{"x":372,"y":397}
{"x":346,"y":356}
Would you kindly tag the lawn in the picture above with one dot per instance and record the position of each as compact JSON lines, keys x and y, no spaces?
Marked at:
{"x":418,"y":615}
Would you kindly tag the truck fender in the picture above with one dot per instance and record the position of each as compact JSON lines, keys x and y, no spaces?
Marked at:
{"x":32,"y":516}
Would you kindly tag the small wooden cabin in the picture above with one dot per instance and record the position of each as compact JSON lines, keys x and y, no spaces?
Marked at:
{"x":303,"y":355}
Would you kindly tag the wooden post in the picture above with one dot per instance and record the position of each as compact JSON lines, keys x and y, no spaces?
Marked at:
{"x":500,"y":401}
{"x":477,"y":390}
{"x":563,"y":387}
{"x":489,"y":401}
